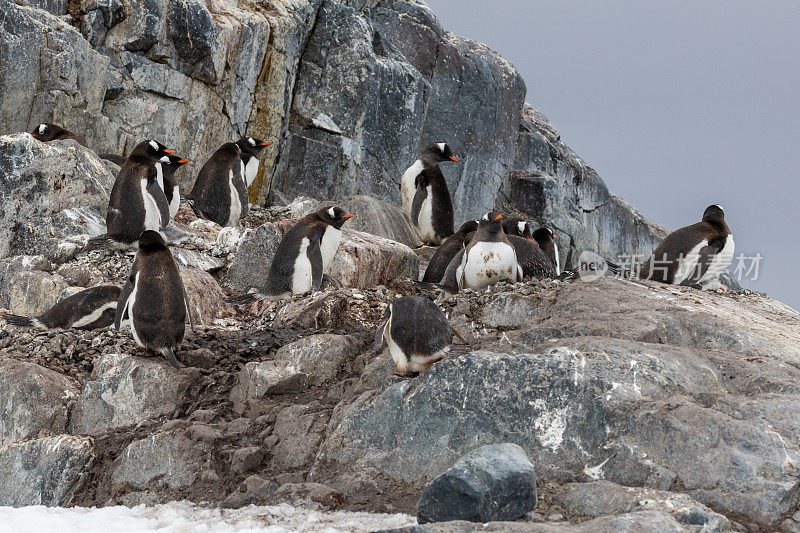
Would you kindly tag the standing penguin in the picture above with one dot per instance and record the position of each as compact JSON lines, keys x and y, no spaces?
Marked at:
{"x":417,"y":332}
{"x":91,"y":308}
{"x":220,"y":191}
{"x":449,"y":248}
{"x":154,"y":299}
{"x":302,"y":256}
{"x":138,"y":202}
{"x":251,"y":152}
{"x":425,"y":195}
{"x":47,"y":132}
{"x":545,"y":238}
{"x":695,"y":254}
{"x":169,"y":164}
{"x":488,"y":258}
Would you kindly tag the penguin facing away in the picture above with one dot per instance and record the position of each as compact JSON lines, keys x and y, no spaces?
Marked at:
{"x":695,"y":254}
{"x":154,"y":299}
{"x":220,"y":191}
{"x":488,"y":258}
{"x":89,"y":309}
{"x":302,"y":256}
{"x":545,"y":238}
{"x":251,"y":152}
{"x":417,"y":332}
{"x":138,"y":202}
{"x":169,"y":164}
{"x":47,"y":132}
{"x":448,"y":249}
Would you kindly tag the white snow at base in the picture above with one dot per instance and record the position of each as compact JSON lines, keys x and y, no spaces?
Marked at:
{"x":186,"y":517}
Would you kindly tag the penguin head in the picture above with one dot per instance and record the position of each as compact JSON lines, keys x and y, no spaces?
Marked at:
{"x":152,"y":150}
{"x":252,"y":146}
{"x":174,"y":160}
{"x":714,"y":213}
{"x":47,"y":132}
{"x":544,"y":237}
{"x":436,"y":153}
{"x":151,"y":241}
{"x":492,"y":221}
{"x":517,"y":226}
{"x":468,"y":227}
{"x":335,"y":216}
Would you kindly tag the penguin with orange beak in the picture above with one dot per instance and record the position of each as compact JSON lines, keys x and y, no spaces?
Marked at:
{"x":426,"y":197}
{"x":169,"y":164}
{"x":302,"y":256}
{"x":251,"y":152}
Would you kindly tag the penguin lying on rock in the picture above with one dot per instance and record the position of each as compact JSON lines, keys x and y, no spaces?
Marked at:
{"x":302,"y":256}
{"x":693,"y":255}
{"x":89,"y":309}
{"x":417,"y":332}
{"x":138,"y":202}
{"x":47,"y":132}
{"x":154,"y":299}
{"x":425,"y":196}
{"x":448,"y":249}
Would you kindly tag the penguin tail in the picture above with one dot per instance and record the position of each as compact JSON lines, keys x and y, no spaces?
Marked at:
{"x":101,"y":241}
{"x":569,"y":275}
{"x":169,"y":354}
{"x":24,"y":321}
{"x":244,"y":298}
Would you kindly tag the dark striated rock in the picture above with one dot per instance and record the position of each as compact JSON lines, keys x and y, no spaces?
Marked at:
{"x":35,"y":399}
{"x":491,"y":483}
{"x":47,"y":471}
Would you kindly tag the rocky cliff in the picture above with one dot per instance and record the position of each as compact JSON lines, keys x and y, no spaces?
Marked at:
{"x":348,"y":90}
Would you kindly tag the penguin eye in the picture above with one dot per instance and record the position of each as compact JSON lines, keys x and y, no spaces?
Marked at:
{"x":251,"y":141}
{"x":42,"y":128}
{"x":153,"y":145}
{"x":332,"y":212}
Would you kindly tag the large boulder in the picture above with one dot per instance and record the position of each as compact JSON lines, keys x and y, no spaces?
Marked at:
{"x":206,"y":297}
{"x":35,"y":399}
{"x":491,"y":483}
{"x":34,"y":292}
{"x":378,"y":218}
{"x":126,"y":390}
{"x":45,"y":188}
{"x":48,"y":471}
{"x":683,"y":389}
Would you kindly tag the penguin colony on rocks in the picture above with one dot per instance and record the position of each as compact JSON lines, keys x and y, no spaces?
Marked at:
{"x":153,"y":301}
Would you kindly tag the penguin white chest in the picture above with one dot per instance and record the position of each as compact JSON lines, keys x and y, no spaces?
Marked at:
{"x":236,"y":204}
{"x":175,"y":203}
{"x":720,"y":262}
{"x":301,"y":278}
{"x":250,"y":170}
{"x":129,"y":307}
{"x":425,"y":219}
{"x":408,"y":185}
{"x":558,"y":261}
{"x":152,"y":215}
{"x":329,"y":245}
{"x":488,"y":263}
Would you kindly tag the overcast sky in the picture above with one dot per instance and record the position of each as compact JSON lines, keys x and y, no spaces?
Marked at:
{"x":677,"y":105}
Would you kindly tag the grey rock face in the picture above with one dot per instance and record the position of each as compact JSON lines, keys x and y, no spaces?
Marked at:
{"x":45,"y":186}
{"x":319,"y":357}
{"x":35,"y":399}
{"x":32,"y":293}
{"x":379,"y":218}
{"x":128,"y":390}
{"x":300,"y":432}
{"x":48,"y":471}
{"x":615,"y":407}
{"x":491,"y":483}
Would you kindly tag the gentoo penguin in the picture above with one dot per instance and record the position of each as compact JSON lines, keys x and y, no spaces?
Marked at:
{"x":251,"y":150}
{"x":154,"y":299}
{"x":417,"y":332}
{"x":302,"y":256}
{"x":138,"y":202}
{"x":545,"y":238}
{"x":517,"y":226}
{"x":169,"y":164}
{"x":89,"y":309}
{"x":220,"y":191}
{"x":449,"y":248}
{"x":695,"y":254}
{"x":426,"y":196}
{"x":488,"y":258}
{"x":47,"y":132}
{"x":118,"y":160}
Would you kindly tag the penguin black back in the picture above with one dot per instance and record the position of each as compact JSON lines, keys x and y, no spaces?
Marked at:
{"x":154,"y":299}
{"x":47,"y":132}
{"x":88,"y":309}
{"x":220,"y":191}
{"x":138,"y":202}
{"x":448,"y":249}
{"x":532,"y":259}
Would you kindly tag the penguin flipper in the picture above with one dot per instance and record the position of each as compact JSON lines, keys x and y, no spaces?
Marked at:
{"x":125,"y":296}
{"x":17,"y":320}
{"x":188,"y":309}
{"x":416,"y":206}
{"x":704,"y":260}
{"x":158,"y":195}
{"x":314,"y":253}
